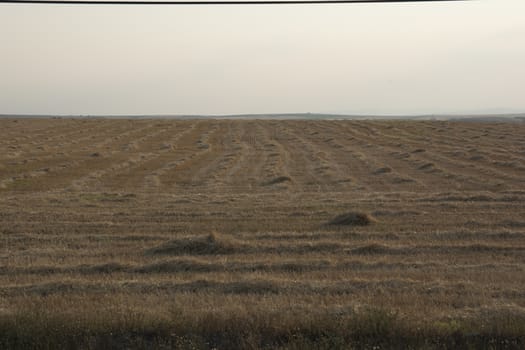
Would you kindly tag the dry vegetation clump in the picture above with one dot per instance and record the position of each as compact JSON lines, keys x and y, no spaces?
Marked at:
{"x":383,"y":170}
{"x":107,"y":268}
{"x":372,"y":248}
{"x":179,"y":265}
{"x":426,"y":166}
{"x":166,"y":146}
{"x":278,"y":180}
{"x":353,"y":219}
{"x":213,"y":243}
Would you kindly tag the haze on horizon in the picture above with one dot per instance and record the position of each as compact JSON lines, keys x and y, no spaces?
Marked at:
{"x":365,"y":58}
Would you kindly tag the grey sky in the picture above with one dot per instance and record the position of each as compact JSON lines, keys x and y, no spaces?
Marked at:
{"x":389,"y":58}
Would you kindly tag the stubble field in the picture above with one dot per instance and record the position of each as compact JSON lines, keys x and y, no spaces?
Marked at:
{"x":229,"y":234}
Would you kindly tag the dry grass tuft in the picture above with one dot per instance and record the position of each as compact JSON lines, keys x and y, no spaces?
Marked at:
{"x":213,"y":243}
{"x":353,"y":219}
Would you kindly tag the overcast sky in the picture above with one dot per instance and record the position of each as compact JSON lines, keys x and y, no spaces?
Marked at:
{"x":383,"y":58}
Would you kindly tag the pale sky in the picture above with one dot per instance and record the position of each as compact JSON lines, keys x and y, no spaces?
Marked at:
{"x":364,"y":58}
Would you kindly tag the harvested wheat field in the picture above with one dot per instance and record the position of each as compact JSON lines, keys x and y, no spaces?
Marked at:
{"x":240,"y":234}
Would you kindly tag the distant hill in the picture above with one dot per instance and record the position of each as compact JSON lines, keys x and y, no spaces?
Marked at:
{"x":515,"y":118}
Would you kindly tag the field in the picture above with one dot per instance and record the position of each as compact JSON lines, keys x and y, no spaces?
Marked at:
{"x":261,"y":234}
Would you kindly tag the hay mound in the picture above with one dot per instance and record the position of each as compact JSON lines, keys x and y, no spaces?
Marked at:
{"x":383,"y":170}
{"x":180,"y":265}
{"x":198,"y":245}
{"x":279,"y":180}
{"x":371,"y":249}
{"x":111,"y":267}
{"x":353,"y":219}
{"x":426,"y":166}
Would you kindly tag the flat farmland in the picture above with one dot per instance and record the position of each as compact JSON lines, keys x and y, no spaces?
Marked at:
{"x":228,"y":234}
